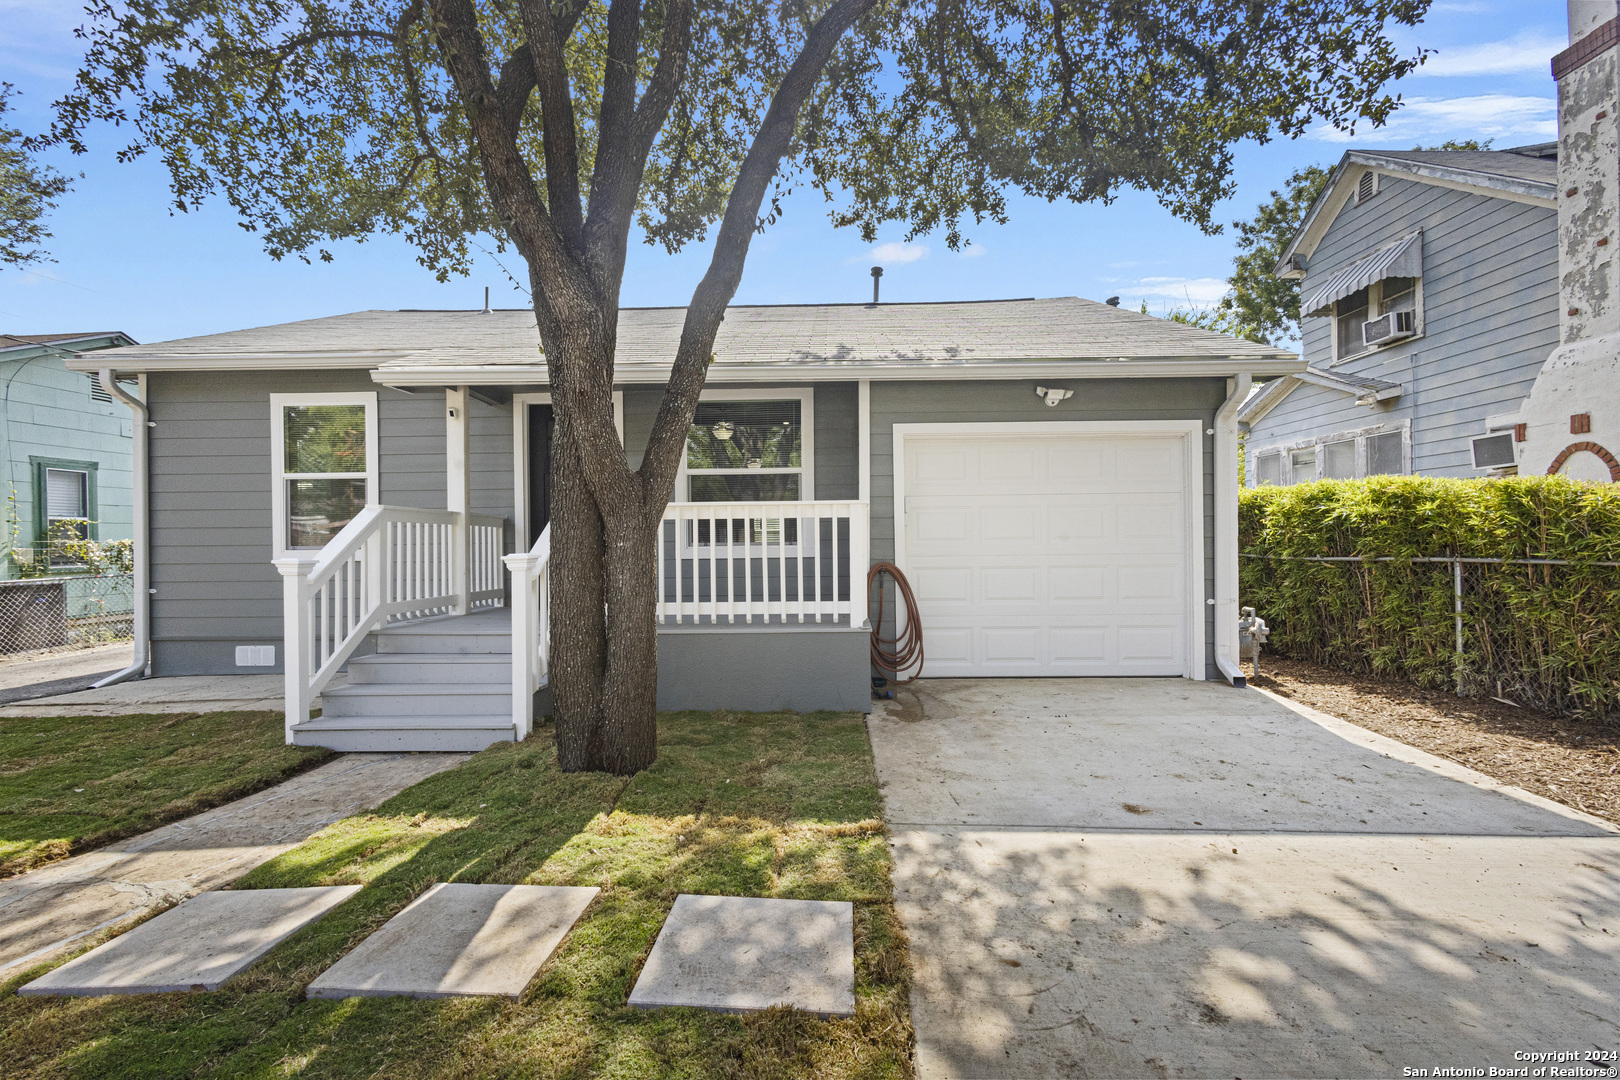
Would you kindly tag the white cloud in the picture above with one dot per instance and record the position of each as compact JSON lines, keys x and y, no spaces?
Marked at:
{"x":1489,"y":116}
{"x":899,"y":253}
{"x":971,"y":251}
{"x":1178,"y":291}
{"x":1530,"y":51}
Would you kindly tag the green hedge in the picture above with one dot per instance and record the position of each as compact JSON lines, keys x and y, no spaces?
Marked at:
{"x":1545,"y":636}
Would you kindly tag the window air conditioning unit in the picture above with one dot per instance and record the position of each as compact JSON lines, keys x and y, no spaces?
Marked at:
{"x":1389,"y":327}
{"x":1494,"y":451}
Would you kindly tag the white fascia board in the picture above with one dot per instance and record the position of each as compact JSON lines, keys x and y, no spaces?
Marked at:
{"x":310,"y":361}
{"x":1200,"y":367}
{"x":1342,"y":183}
{"x":1273,"y":394}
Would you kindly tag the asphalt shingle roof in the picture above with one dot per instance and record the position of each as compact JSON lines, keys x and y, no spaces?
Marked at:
{"x":884,"y":335}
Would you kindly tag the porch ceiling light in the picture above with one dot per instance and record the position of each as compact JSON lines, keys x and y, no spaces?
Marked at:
{"x":722,"y":430}
{"x":755,"y":463}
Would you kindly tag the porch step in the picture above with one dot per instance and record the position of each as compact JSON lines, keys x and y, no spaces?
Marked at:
{"x":451,"y":699}
{"x":403,"y":733}
{"x":464,"y":635}
{"x":393,"y":669}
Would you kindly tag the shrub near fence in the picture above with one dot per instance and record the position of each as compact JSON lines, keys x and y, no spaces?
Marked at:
{"x":1540,"y":614}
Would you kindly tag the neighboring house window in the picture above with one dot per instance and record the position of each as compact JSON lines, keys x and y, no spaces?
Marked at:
{"x":324,"y":467}
{"x":1379,"y":298}
{"x":1348,"y":316}
{"x":64,"y":502}
{"x":750,"y":446}
{"x":1345,"y":455}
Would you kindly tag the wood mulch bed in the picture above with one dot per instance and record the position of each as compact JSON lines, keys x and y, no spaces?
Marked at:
{"x":1575,"y":762}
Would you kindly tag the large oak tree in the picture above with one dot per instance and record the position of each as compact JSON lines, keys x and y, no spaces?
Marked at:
{"x":559,"y":127}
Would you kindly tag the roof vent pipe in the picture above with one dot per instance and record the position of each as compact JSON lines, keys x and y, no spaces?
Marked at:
{"x":486,"y":310}
{"x":877,"y":272}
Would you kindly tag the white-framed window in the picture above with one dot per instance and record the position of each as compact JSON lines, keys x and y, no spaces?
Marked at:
{"x":750,"y":446}
{"x":1376,"y":450}
{"x":323,"y":465}
{"x":1379,"y":298}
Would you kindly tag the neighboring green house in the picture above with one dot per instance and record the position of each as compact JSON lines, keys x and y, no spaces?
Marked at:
{"x":66,"y":443}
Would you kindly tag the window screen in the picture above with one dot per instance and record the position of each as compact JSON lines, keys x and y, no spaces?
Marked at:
{"x":1268,"y":469}
{"x":1493,"y":451}
{"x":1351,"y":312}
{"x":745,"y":451}
{"x":1303,"y":466}
{"x":1384,"y":453}
{"x":1399,"y":294}
{"x":1339,"y":460}
{"x":66,"y":494}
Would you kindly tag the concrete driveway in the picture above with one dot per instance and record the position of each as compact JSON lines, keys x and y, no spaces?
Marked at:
{"x":1124,"y":878}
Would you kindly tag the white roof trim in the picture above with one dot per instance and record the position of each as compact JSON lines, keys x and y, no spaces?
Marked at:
{"x":1403,"y":258}
{"x":1366,"y":391}
{"x":1341,"y":186}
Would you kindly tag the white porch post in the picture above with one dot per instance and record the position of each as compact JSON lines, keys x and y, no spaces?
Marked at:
{"x":458,"y":493}
{"x":297,"y":633}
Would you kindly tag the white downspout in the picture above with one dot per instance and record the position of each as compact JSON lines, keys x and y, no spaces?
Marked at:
{"x":140,"y":467}
{"x":1226,"y":531}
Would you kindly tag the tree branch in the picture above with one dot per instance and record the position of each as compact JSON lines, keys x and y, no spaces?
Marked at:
{"x":719,"y":285}
{"x":625,"y":139}
{"x":557,"y":110}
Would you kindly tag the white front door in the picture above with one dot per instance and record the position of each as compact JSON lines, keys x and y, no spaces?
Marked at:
{"x":1050,"y":553}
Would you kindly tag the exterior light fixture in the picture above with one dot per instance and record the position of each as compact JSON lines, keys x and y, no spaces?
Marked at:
{"x":722,"y":430}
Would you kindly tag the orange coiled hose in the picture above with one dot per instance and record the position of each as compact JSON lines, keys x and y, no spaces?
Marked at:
{"x":898,"y":654}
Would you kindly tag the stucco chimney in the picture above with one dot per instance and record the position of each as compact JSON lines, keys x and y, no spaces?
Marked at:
{"x":1586,"y":16}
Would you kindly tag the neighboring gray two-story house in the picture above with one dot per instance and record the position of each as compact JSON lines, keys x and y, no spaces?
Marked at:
{"x":369,"y":492}
{"x":1429,"y":301}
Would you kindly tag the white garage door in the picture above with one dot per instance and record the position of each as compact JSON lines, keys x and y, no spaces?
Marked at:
{"x":1049,"y":553}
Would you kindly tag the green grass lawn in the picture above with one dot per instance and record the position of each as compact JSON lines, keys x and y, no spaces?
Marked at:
{"x":740,"y":804}
{"x":72,"y":783}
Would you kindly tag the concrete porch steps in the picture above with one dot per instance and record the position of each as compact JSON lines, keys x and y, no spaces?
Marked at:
{"x":442,"y":684}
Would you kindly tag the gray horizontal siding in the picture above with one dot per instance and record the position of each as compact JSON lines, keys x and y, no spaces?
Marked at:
{"x":1490,"y":297}
{"x":1016,"y":402}
{"x":211,"y":519}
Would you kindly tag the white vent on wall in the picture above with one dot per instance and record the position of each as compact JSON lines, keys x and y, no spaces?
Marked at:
{"x":1366,"y":187}
{"x":255,"y":656}
{"x":1391,"y":326}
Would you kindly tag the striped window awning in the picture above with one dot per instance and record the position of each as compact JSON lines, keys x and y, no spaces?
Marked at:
{"x":1404,"y":258}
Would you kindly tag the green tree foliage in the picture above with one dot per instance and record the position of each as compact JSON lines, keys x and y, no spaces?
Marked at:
{"x":1549,"y":636}
{"x":557,"y":127}
{"x":1262,"y":306}
{"x":28,"y":192}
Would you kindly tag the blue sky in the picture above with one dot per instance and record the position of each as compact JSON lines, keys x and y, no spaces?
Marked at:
{"x":124,"y":263}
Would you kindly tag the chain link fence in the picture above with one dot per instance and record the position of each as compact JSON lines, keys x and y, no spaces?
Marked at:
{"x":1541,"y":633}
{"x":67,"y":612}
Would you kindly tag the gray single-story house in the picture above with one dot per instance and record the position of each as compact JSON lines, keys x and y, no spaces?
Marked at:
{"x":367,"y":493}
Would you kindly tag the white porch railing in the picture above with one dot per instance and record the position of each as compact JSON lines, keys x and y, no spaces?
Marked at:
{"x":794,"y":562}
{"x":531,"y":627}
{"x":389,"y":564}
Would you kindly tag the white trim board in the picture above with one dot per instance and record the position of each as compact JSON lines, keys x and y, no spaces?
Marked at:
{"x":1192,"y":435}
{"x":520,"y":453}
{"x":278,"y":456}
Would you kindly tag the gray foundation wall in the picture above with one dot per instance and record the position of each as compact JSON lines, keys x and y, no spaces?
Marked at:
{"x":214,"y":585}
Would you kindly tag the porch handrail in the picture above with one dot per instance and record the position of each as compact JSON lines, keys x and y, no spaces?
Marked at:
{"x":389,"y":563}
{"x":531,"y":627}
{"x":800,"y":562}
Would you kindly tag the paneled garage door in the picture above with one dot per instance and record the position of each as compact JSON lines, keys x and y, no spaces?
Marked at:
{"x":1049,"y":553}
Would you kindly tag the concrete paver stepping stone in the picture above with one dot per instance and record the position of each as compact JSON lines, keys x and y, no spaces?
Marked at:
{"x":196,"y":945}
{"x":459,"y":939}
{"x":741,"y":954}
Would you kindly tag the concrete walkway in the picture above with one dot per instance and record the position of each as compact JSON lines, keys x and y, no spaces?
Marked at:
{"x":175,"y":694}
{"x":50,"y":908}
{"x":1166,"y":878}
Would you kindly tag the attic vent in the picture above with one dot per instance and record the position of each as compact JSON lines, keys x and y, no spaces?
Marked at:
{"x":97,"y":393}
{"x":1366,"y":187}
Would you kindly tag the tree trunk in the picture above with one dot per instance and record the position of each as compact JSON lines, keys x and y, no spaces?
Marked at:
{"x":630,"y":690}
{"x":579,"y":643}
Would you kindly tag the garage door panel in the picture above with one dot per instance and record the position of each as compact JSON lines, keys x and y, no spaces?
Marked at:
{"x":1049,"y":553}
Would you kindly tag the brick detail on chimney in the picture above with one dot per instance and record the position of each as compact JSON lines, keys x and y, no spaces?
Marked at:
{"x":1593,"y":44}
{"x":1580,"y":424}
{"x":1591,"y":447}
